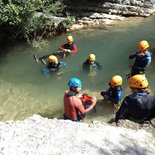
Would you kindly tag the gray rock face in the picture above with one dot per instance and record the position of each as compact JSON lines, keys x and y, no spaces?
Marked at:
{"x":90,"y":12}
{"x":42,"y":136}
{"x":117,"y":7}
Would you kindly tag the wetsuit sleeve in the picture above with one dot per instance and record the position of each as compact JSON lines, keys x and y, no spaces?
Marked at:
{"x":62,"y":47}
{"x":75,"y":49}
{"x":85,"y":66}
{"x":132,"y":56}
{"x":117,"y":98}
{"x":121,"y":113}
{"x":99,"y":66}
{"x":63,"y":64}
{"x":79,"y":106}
{"x":148,"y":61}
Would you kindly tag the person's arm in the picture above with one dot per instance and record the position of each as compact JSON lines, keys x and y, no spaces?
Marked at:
{"x":148,"y":61}
{"x":93,"y":103}
{"x":122,"y":111}
{"x":63,"y":64}
{"x":62,"y":47}
{"x":75,"y":49}
{"x":132,"y":56}
{"x":99,"y":65}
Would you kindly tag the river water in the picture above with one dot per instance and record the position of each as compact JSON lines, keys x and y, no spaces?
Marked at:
{"x":24,"y":91}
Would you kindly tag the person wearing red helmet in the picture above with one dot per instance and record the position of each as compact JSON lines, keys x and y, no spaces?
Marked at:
{"x":74,"y":108}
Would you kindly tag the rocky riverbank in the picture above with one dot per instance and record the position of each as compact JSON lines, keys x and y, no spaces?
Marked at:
{"x":103,"y":12}
{"x":42,"y":136}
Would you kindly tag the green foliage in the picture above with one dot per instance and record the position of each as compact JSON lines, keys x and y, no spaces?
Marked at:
{"x":65,"y":24}
{"x":18,"y":19}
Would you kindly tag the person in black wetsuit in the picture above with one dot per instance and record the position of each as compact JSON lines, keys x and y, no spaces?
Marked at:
{"x":142,"y":59}
{"x":53,"y":65}
{"x":91,"y":64}
{"x":140,"y":105}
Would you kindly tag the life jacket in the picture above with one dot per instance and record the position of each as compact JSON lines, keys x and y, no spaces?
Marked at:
{"x":138,"y":106}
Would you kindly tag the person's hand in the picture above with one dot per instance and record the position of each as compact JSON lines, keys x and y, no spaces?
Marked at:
{"x":65,"y":50}
{"x":68,"y":50}
{"x":117,"y":123}
{"x":105,"y":97}
{"x":140,"y":54}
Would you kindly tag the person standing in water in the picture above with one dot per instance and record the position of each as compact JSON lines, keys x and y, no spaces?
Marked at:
{"x":69,"y":47}
{"x":74,"y":108}
{"x":142,"y":59}
{"x":91,"y":66}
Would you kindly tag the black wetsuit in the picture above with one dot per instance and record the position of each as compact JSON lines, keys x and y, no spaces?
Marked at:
{"x":141,"y":63}
{"x":87,"y":66}
{"x":137,"y":106}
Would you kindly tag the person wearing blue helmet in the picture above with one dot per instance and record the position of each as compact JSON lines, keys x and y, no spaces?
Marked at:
{"x":74,"y":108}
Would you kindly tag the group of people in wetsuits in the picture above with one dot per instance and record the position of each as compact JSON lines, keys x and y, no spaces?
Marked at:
{"x":139,"y":105}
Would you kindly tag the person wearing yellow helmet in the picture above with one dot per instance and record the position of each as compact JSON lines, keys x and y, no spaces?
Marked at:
{"x":139,"y":105}
{"x":142,"y":58}
{"x":91,"y":64}
{"x":53,"y":65}
{"x":69,"y":47}
{"x":114,"y":93}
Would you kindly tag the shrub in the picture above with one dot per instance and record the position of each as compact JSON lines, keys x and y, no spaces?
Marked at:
{"x":18,"y":20}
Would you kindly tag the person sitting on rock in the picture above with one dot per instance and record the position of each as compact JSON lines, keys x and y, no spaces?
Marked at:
{"x":69,"y":47}
{"x":140,"y":105}
{"x":74,"y":108}
{"x":143,"y":59}
{"x":114,"y":93}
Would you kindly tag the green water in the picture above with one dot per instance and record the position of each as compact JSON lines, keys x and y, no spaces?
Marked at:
{"x":24,"y":91}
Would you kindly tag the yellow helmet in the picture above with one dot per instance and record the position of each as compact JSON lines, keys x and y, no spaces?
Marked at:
{"x":52,"y":59}
{"x":138,"y":81}
{"x":69,"y":39}
{"x":116,"y":81}
{"x":143,"y":45}
{"x":92,"y":57}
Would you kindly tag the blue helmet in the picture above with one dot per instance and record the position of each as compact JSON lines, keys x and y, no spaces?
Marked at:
{"x":75,"y":82}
